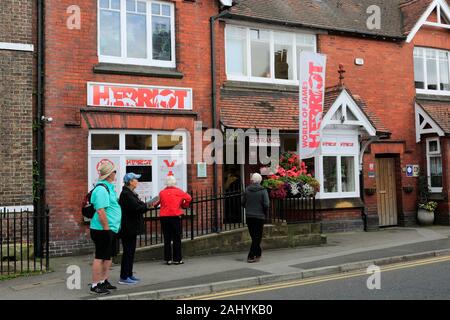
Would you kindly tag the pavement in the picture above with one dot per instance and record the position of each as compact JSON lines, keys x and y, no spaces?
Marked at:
{"x":203,"y":275}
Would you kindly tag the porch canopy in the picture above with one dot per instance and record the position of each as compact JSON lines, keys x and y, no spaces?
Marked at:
{"x":249,"y":109}
{"x":432,"y":117}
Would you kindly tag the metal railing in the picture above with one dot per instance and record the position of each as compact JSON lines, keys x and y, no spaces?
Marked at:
{"x":211,"y":213}
{"x":24,"y":242}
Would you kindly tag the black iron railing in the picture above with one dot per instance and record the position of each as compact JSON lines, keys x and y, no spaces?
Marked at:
{"x":211,"y":213}
{"x":24,"y":242}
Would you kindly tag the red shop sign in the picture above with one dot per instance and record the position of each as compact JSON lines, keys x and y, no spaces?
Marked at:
{"x":137,"y":96}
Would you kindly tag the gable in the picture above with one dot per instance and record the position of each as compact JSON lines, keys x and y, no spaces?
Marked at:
{"x":345,"y":111}
{"x":436,"y":15}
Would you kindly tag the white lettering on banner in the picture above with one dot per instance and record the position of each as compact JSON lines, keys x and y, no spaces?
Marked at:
{"x":312,"y":96}
{"x":136,"y":96}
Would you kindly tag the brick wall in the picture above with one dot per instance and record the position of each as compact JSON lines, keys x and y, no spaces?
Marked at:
{"x":71,"y":56}
{"x":16,"y":104}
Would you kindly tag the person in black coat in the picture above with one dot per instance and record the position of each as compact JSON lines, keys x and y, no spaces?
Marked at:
{"x":133,"y":209}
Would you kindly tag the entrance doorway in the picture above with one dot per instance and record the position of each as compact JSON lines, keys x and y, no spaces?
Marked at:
{"x":386,"y":192}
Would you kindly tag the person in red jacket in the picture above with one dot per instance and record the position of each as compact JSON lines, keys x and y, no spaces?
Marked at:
{"x":172,"y":201}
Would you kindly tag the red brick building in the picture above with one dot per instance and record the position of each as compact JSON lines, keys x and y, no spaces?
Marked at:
{"x":116,"y":94}
{"x":385,"y":80}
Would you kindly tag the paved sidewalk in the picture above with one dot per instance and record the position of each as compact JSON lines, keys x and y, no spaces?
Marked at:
{"x":341,"y":249}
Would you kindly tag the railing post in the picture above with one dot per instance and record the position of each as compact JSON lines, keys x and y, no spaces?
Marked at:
{"x":47,"y":239}
{"x":191,"y":208}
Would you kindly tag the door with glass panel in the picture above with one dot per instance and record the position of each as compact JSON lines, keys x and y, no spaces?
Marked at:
{"x":386,"y":192}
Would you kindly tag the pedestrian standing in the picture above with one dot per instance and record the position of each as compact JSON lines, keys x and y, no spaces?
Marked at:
{"x":256,"y":203}
{"x":104,"y":228}
{"x":133,"y":210}
{"x":172,"y":201}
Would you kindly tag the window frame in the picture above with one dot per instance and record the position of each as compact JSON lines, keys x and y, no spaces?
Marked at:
{"x":424,"y":57}
{"x":153,"y":154}
{"x":351,"y":135}
{"x":433,"y":154}
{"x":273,"y":80}
{"x":123,"y":59}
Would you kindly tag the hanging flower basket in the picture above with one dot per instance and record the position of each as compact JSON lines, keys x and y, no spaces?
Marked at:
{"x":291,"y":179}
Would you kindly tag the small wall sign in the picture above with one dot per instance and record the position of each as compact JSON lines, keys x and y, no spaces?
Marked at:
{"x":201,"y":170}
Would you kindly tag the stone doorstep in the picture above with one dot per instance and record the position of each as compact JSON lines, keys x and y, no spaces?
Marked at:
{"x":192,"y":291}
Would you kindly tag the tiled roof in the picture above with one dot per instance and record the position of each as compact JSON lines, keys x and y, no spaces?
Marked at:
{"x":340,"y":15}
{"x":245,"y":109}
{"x":412,"y":11}
{"x":439,"y":112}
{"x":398,"y":16}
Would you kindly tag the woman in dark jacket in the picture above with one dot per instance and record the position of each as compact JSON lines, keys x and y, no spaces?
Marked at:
{"x":133,"y":209}
{"x":256,"y":203}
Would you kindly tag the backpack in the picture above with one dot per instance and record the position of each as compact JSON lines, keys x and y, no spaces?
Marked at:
{"x":88,"y":209}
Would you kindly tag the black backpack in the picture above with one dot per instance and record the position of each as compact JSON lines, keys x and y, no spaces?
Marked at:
{"x":88,"y":209}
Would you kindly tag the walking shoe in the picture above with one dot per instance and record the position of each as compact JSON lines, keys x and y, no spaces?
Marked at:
{"x":135,"y":279}
{"x":99,"y":290}
{"x":251,"y":260}
{"x":127,"y":281}
{"x":107,"y":285}
{"x":178,"y":262}
{"x":169,"y":262}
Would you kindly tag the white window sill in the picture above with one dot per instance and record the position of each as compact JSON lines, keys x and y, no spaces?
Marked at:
{"x":263,"y":80}
{"x":137,"y":62}
{"x":433,"y":92}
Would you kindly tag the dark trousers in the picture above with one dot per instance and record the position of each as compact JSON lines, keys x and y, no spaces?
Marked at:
{"x":129,"y":248}
{"x":255,"y":228}
{"x":171,"y":228}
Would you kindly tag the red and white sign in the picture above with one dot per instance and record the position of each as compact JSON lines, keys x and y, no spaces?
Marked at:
{"x":142,"y":163}
{"x":339,"y":145}
{"x":137,"y":96}
{"x":312,"y":97}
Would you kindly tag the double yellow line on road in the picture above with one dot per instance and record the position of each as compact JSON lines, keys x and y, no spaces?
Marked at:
{"x":310,"y":281}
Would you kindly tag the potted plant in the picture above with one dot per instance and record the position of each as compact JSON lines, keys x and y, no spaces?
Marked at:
{"x":425,"y":213}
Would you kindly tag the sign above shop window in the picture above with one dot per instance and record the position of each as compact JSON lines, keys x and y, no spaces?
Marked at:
{"x":137,"y":96}
{"x":339,"y":145}
{"x":264,"y":141}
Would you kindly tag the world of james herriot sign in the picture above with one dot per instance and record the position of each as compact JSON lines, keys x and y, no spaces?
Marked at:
{"x":312,"y":97}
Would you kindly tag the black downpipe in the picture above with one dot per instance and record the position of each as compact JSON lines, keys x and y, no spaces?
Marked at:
{"x":39,"y":211}
{"x":213,"y":19}
{"x":361,"y":192}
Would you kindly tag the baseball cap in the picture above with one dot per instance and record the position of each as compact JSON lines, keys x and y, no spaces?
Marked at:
{"x":130,"y":176}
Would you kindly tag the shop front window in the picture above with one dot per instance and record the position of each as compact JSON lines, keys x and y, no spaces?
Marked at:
{"x":170,"y":142}
{"x":348,"y":174}
{"x":105,"y":142}
{"x":138,"y":142}
{"x":136,"y":151}
{"x":330,"y":174}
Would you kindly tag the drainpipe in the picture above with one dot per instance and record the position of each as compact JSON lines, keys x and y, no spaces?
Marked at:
{"x":213,"y":19}
{"x":361,"y":176}
{"x":39,"y":204}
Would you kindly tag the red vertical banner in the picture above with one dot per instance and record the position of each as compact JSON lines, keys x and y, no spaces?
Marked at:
{"x":312,"y":98}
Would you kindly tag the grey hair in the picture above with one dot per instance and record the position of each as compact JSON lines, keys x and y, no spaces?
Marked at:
{"x":256,"y":178}
{"x":171,"y":181}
